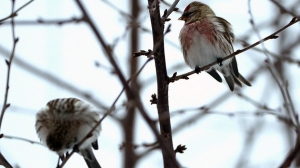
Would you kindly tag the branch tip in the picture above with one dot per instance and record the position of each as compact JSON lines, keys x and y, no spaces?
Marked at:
{"x":7,"y":62}
{"x":165,"y":13}
{"x":143,"y":52}
{"x":174,"y":74}
{"x":293,"y":19}
{"x":168,"y":28}
{"x":153,"y":99}
{"x":180,"y":149}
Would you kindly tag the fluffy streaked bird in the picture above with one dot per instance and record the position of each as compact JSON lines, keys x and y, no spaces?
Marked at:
{"x":206,"y":38}
{"x":63,"y":123}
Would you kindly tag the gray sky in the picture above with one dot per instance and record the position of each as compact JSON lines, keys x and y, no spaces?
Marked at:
{"x":69,"y":52}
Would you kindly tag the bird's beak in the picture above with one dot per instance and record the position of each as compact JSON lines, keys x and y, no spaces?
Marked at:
{"x":182,"y":18}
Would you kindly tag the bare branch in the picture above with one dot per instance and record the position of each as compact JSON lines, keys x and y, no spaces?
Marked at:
{"x":169,"y":11}
{"x":15,"y":13}
{"x":143,"y":52}
{"x":8,"y":63}
{"x":22,"y":139}
{"x":280,"y":57}
{"x":292,"y":154}
{"x":157,"y":25}
{"x":41,"y":21}
{"x":3,"y":161}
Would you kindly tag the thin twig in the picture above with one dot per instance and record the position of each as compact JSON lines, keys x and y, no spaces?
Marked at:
{"x":256,"y":30}
{"x":204,"y":110}
{"x":169,"y":11}
{"x":291,"y":104}
{"x":214,"y":103}
{"x":15,"y":13}
{"x":253,"y":102}
{"x":40,"y":21}
{"x":287,"y":104}
{"x":8,"y":63}
{"x":155,"y":146}
{"x":276,"y":78}
{"x":271,"y":70}
{"x":22,"y":139}
{"x":168,"y":4}
{"x":282,"y":57}
{"x":122,"y":13}
{"x":3,"y":161}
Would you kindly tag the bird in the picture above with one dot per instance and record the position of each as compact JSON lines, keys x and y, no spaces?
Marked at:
{"x":206,"y":38}
{"x":63,"y":123}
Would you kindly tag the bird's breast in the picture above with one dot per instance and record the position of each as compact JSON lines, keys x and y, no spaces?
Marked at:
{"x":200,"y":44}
{"x":202,"y":30}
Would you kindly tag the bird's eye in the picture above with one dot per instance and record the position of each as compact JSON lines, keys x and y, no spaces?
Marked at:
{"x":187,"y":14}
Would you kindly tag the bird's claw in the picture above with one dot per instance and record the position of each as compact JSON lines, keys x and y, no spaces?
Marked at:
{"x":220,"y":61}
{"x":197,"y":69}
{"x":76,"y":148}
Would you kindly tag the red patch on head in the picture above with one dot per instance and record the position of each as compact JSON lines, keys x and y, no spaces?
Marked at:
{"x":187,"y":8}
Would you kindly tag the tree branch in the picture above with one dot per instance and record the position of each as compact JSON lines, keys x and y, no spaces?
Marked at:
{"x":15,"y":13}
{"x":157,"y":24}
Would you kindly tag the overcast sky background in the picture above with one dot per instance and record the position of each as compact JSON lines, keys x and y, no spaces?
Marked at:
{"x":69,"y":52}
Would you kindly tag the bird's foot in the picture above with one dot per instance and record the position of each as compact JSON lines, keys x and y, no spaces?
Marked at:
{"x":76,"y":148}
{"x":220,"y":61}
{"x":197,"y":69}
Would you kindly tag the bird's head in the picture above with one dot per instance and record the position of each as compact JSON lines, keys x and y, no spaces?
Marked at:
{"x":196,"y":11}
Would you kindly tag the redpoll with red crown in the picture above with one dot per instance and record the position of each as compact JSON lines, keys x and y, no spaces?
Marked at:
{"x":206,"y":38}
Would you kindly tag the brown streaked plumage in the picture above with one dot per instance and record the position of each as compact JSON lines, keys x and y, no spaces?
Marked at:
{"x":63,"y":123}
{"x":206,"y":38}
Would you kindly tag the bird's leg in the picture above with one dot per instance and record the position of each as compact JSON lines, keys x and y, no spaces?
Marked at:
{"x":220,"y":60}
{"x":67,"y":155}
{"x":59,"y":157}
{"x":197,"y":69}
{"x":76,"y":148}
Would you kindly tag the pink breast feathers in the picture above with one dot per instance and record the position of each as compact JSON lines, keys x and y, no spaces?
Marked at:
{"x":201,"y":29}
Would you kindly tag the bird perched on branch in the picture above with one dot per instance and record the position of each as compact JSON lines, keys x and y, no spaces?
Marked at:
{"x":63,"y":123}
{"x":206,"y":38}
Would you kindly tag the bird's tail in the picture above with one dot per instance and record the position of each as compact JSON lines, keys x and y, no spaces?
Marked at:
{"x":90,"y":158}
{"x":233,"y":79}
{"x":232,"y":75}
